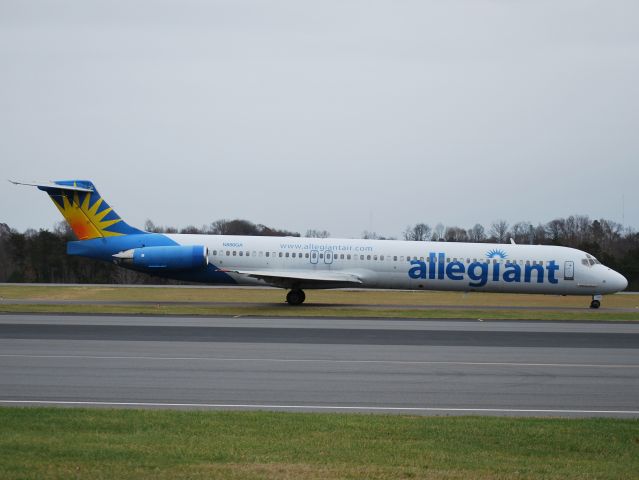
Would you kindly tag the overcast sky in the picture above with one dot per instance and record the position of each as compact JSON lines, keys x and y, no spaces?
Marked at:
{"x":337,"y":115}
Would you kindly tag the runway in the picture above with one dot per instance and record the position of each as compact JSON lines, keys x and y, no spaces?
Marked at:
{"x":366,"y":365}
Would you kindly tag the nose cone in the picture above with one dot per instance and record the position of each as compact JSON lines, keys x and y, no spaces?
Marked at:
{"x":618,"y":282}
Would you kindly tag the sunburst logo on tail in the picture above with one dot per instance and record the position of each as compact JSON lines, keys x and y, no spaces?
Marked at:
{"x":83,"y":207}
{"x":87,"y":213}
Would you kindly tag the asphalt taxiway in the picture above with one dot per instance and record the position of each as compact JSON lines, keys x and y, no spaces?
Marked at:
{"x":302,"y":364}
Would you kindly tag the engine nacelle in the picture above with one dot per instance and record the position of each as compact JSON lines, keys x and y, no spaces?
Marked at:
{"x":172,"y":258}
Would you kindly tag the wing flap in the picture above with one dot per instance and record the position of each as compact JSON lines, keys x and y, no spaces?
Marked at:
{"x":278,"y":277}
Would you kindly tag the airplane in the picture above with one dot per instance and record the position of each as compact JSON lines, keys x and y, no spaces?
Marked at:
{"x":299,"y":264}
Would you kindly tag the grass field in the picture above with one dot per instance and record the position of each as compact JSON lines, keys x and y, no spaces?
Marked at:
{"x":320,"y":303}
{"x":80,"y":443}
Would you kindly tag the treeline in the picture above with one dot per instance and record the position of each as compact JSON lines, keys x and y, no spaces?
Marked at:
{"x":40,"y":256}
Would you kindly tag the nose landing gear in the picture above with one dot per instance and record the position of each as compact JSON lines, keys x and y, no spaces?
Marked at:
{"x":295,"y":297}
{"x":596,"y":301}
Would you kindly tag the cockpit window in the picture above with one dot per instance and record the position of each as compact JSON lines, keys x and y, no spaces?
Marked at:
{"x":590,"y":260}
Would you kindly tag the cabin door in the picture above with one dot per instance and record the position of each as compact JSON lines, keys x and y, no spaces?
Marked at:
{"x":569,"y":270}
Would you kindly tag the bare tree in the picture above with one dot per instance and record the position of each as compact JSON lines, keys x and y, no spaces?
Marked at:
{"x":521,"y":232}
{"x":499,"y":231}
{"x":366,"y":235}
{"x":418,"y":233}
{"x":312,"y":233}
{"x":220,"y":227}
{"x":438,"y":232}
{"x":191,"y":229}
{"x":456,"y":234}
{"x":149,"y":226}
{"x":540,"y":235}
{"x":477,"y":233}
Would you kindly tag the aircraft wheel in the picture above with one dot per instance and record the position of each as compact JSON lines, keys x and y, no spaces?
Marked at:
{"x":595,"y":304}
{"x":295,"y":297}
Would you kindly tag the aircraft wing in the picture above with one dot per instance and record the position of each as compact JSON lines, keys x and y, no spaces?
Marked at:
{"x":300,"y":278}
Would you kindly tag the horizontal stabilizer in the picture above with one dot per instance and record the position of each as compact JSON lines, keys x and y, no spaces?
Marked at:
{"x":45,"y":185}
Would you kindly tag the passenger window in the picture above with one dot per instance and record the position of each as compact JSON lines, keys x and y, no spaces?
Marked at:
{"x":214,"y":252}
{"x":341,"y":256}
{"x":241,"y":253}
{"x":321,"y":255}
{"x":306,"y":255}
{"x":280,"y":255}
{"x":361,"y":257}
{"x":293,"y":255}
{"x":234,"y":253}
{"x":381,"y":257}
{"x":374,"y":257}
{"x":248,"y":254}
{"x":368,"y":257}
{"x":394,"y":258}
{"x":228,"y":253}
{"x":266,"y":254}
{"x":348,"y":257}
{"x":286,"y":254}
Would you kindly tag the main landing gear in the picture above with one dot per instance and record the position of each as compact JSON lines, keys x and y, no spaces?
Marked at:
{"x":295,"y":297}
{"x":596,"y":301}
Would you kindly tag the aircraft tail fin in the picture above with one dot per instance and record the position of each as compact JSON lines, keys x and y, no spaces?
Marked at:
{"x":84,"y":209}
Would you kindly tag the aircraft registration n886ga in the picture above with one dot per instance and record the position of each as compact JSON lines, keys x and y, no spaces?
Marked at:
{"x":297,"y":264}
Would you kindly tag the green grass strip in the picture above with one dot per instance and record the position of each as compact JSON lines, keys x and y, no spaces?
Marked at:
{"x":43,"y":443}
{"x":321,"y":311}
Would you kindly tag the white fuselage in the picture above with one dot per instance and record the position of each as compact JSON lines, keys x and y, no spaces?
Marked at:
{"x":410,"y":265}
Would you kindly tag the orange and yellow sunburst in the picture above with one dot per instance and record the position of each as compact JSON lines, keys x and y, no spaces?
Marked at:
{"x":86,"y":220}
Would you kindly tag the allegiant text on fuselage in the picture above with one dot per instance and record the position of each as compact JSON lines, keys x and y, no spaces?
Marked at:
{"x":436,"y":268}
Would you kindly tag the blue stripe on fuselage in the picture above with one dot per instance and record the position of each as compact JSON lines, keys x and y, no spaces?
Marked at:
{"x":104,"y":249}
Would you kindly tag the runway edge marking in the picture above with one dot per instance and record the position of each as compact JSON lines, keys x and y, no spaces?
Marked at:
{"x":315,"y":407}
{"x":320,"y":360}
